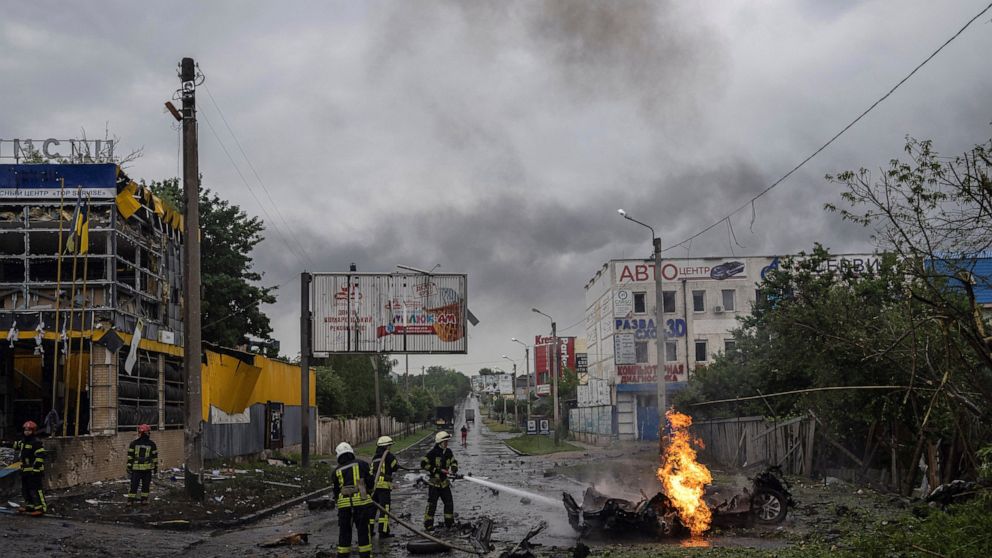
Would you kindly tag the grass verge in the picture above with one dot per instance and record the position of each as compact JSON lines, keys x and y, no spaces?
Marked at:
{"x":497,"y":426}
{"x":400,"y":443}
{"x":538,"y":445}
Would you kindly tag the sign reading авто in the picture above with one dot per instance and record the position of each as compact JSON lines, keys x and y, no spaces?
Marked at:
{"x":388,"y":313}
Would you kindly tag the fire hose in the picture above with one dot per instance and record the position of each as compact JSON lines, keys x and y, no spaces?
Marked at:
{"x":425,"y":535}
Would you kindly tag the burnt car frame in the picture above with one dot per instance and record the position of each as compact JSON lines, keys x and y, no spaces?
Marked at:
{"x":765,"y":501}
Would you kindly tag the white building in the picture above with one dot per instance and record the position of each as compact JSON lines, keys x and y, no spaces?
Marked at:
{"x":703,"y":298}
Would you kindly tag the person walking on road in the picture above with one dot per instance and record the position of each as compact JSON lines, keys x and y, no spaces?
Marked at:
{"x":464,"y":435}
{"x":142,"y":462}
{"x":352,"y":484}
{"x":32,"y":470}
{"x":440,"y":465}
{"x":384,"y":465}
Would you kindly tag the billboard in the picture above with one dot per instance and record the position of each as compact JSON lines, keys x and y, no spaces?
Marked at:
{"x":505,"y":384}
{"x":543,"y":351}
{"x":46,"y":181}
{"x":388,"y":313}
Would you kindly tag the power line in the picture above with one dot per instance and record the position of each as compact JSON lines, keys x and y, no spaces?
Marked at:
{"x":271,"y":221}
{"x":837,"y":135}
{"x":255,"y":172}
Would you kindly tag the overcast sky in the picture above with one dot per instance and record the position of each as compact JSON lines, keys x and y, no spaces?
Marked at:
{"x":498,"y":138}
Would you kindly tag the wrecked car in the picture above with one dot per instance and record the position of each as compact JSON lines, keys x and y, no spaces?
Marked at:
{"x":766,"y":500}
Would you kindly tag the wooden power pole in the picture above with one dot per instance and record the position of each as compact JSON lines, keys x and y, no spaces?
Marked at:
{"x":305,"y":351}
{"x":192,"y":349}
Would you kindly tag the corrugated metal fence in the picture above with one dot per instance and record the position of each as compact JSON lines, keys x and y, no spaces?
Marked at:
{"x":333,"y":431}
{"x":743,"y":441}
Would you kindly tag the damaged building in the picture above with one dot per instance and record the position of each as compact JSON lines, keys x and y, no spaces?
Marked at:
{"x":91,"y":303}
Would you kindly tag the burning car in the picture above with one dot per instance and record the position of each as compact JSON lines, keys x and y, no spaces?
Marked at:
{"x":766,"y":500}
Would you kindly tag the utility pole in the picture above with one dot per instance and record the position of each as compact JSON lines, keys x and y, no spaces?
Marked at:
{"x":378,"y":408}
{"x":192,"y":349}
{"x":555,"y":366}
{"x":527,"y":361}
{"x":516,"y":422}
{"x":305,"y":350}
{"x":659,"y":338}
{"x":659,"y":324}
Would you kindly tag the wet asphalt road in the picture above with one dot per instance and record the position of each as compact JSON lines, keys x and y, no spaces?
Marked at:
{"x":484,"y":456}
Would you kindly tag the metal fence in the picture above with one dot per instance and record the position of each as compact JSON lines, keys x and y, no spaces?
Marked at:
{"x":591,"y":420}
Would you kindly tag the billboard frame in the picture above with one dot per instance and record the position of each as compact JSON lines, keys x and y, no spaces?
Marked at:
{"x":435,"y":293}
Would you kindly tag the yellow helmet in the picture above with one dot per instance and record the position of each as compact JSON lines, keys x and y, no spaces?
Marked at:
{"x":384,"y":441}
{"x":441,"y":436}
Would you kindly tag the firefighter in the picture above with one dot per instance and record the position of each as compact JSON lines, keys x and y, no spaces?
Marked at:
{"x":352,"y":483}
{"x":142,"y":462}
{"x":440,"y":464}
{"x":464,"y":435}
{"x":384,"y":465}
{"x":32,"y":470}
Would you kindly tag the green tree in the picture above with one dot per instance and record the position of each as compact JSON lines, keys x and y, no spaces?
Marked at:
{"x":232,"y":298}
{"x":330,"y":392}
{"x":354,"y":389}
{"x":423,"y":404}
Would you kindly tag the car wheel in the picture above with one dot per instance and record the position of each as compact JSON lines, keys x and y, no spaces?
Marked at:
{"x":769,"y":506}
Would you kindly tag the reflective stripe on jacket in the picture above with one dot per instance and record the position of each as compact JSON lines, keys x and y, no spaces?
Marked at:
{"x":351,"y":485}
{"x":383,"y":467}
{"x":32,"y":455}
{"x":435,"y":462}
{"x":142,"y":455}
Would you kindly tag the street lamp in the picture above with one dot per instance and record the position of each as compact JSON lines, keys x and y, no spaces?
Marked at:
{"x":659,"y":321}
{"x":555,"y":364}
{"x":516,"y":422}
{"x":527,"y":365}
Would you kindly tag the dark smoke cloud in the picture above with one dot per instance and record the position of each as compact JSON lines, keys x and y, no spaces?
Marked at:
{"x":498,"y":138}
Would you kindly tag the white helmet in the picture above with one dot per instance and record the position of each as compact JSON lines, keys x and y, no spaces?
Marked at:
{"x":384,"y":441}
{"x":441,"y":436}
{"x":343,"y":448}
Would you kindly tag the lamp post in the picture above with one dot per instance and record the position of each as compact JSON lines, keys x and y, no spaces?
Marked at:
{"x":527,"y":366}
{"x":659,"y":322}
{"x":516,"y":421}
{"x":555,"y":364}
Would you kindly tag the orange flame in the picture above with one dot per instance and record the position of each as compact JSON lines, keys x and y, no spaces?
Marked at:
{"x":683,"y":477}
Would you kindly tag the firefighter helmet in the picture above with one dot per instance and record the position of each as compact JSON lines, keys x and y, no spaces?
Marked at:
{"x":441,"y":436}
{"x":30,"y":425}
{"x":343,"y":448}
{"x":144,"y":429}
{"x":384,"y":441}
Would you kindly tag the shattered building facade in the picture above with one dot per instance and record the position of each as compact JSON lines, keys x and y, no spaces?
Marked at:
{"x":91,"y":303}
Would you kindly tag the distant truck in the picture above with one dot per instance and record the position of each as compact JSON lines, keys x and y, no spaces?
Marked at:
{"x":470,"y":415}
{"x":444,"y":418}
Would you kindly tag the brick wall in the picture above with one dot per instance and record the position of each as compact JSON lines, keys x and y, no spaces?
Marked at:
{"x":88,"y":459}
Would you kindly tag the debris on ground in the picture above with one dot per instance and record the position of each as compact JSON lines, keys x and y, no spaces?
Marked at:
{"x":322,"y":503}
{"x":8,"y":456}
{"x":524,"y":548}
{"x":953,"y":492}
{"x":294,"y":539}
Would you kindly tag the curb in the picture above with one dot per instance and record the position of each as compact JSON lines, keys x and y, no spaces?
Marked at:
{"x":262,"y":514}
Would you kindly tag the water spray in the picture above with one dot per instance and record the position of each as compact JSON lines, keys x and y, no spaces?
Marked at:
{"x":536,"y":498}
